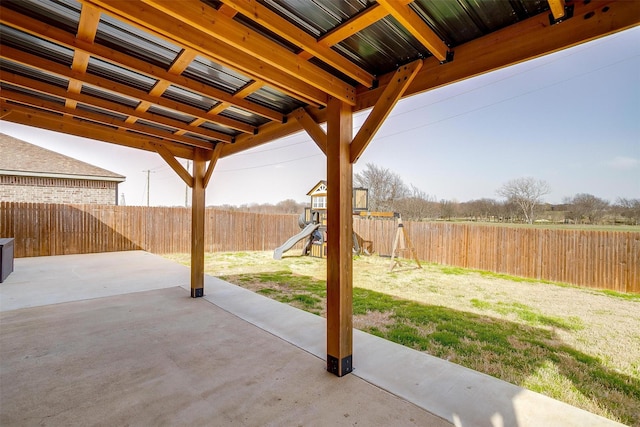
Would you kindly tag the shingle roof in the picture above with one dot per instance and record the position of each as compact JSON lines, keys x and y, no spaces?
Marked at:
{"x":21,"y":158}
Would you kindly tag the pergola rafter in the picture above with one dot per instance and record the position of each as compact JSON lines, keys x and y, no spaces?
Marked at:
{"x":110,"y":106}
{"x":42,"y":64}
{"x":87,"y":28}
{"x":163,"y":25}
{"x":279,"y":25}
{"x":417,"y":27}
{"x":24,"y":115}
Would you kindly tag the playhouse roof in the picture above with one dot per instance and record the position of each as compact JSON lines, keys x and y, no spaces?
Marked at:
{"x":320,"y":188}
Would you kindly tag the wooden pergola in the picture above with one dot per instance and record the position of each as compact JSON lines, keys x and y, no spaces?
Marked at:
{"x":206,"y":79}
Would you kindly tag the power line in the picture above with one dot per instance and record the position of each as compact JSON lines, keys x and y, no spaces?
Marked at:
{"x":434,"y":122}
{"x":270,"y":164}
{"x":276,"y":148}
{"x":306,"y":140}
{"x":504,"y":100}
{"x":493,"y":82}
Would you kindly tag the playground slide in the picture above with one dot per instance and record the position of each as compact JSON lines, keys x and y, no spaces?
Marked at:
{"x":277,"y":254}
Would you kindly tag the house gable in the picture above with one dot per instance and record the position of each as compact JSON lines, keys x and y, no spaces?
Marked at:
{"x":20,"y":158}
{"x":29,"y":173}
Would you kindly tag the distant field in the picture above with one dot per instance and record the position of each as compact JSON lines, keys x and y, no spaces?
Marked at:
{"x":577,"y":345}
{"x":547,"y":225}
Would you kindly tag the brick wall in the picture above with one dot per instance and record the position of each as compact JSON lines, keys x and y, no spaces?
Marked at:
{"x":56,"y":190}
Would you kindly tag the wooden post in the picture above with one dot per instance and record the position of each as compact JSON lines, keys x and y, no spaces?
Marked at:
{"x":197,"y":223}
{"x":340,"y":238}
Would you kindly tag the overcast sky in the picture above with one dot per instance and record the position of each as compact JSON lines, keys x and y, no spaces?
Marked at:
{"x":571,"y":119}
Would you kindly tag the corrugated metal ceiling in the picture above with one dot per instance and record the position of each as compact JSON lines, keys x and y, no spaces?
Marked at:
{"x":216,"y":96}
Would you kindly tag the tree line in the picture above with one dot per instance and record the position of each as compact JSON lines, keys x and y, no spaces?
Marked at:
{"x":523,"y":201}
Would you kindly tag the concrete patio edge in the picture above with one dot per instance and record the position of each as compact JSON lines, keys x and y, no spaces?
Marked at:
{"x":457,"y":394}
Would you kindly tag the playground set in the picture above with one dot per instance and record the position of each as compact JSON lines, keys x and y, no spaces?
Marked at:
{"x":313,"y":224}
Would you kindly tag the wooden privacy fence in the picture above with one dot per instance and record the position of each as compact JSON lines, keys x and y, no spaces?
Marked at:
{"x":47,"y":229}
{"x":598,"y":259}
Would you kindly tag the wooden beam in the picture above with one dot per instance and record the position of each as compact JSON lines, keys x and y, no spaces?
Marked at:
{"x":354,"y":25}
{"x":248,"y":89}
{"x":270,"y":131}
{"x":528,"y":39}
{"x":88,"y":25}
{"x":68,"y":125}
{"x":390,"y":97}
{"x":267,"y":133}
{"x":87,"y":28}
{"x":57,"y":36}
{"x":217,"y":25}
{"x":52,"y":67}
{"x":38,"y":86}
{"x":182,"y":61}
{"x":520,"y":42}
{"x":340,"y":242}
{"x":103,"y":119}
{"x":417,"y":27}
{"x":287,"y":30}
{"x":215,"y":155}
{"x":197,"y":223}
{"x":557,"y":8}
{"x":179,"y":64}
{"x":164,"y":26}
{"x":314,"y":130}
{"x":226,"y":10}
{"x":175,"y":164}
{"x":357,"y":23}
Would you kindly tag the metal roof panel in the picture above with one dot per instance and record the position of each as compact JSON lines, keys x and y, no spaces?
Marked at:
{"x":187,"y":97}
{"x":33,"y":73}
{"x":63,"y":14}
{"x":128,"y":39}
{"x":36,"y":45}
{"x":274,"y":99}
{"x":382,"y":47}
{"x":210,"y":73}
{"x":119,"y":74}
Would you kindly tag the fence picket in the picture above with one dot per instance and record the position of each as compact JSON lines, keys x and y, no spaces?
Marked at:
{"x":598,"y":259}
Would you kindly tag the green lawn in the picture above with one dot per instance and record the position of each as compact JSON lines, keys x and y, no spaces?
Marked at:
{"x":549,"y":225}
{"x":577,"y":345}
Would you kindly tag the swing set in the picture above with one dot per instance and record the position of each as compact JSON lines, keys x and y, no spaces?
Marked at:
{"x":401,"y":242}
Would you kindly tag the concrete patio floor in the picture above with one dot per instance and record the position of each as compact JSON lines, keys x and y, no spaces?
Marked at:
{"x":115,"y":339}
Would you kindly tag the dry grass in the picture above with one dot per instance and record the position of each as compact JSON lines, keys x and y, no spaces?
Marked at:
{"x":577,"y":345}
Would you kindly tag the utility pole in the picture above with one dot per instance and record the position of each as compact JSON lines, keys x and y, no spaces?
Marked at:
{"x":148,"y":172}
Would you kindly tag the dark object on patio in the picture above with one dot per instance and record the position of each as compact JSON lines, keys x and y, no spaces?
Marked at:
{"x":6,"y":258}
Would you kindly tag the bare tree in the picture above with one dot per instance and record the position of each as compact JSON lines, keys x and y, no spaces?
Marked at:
{"x":481,"y":209}
{"x":417,"y":205}
{"x":385,"y":187}
{"x":587,"y":206}
{"x":629,"y":208}
{"x":526,"y":193}
{"x":289,"y":206}
{"x":448,"y":209}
